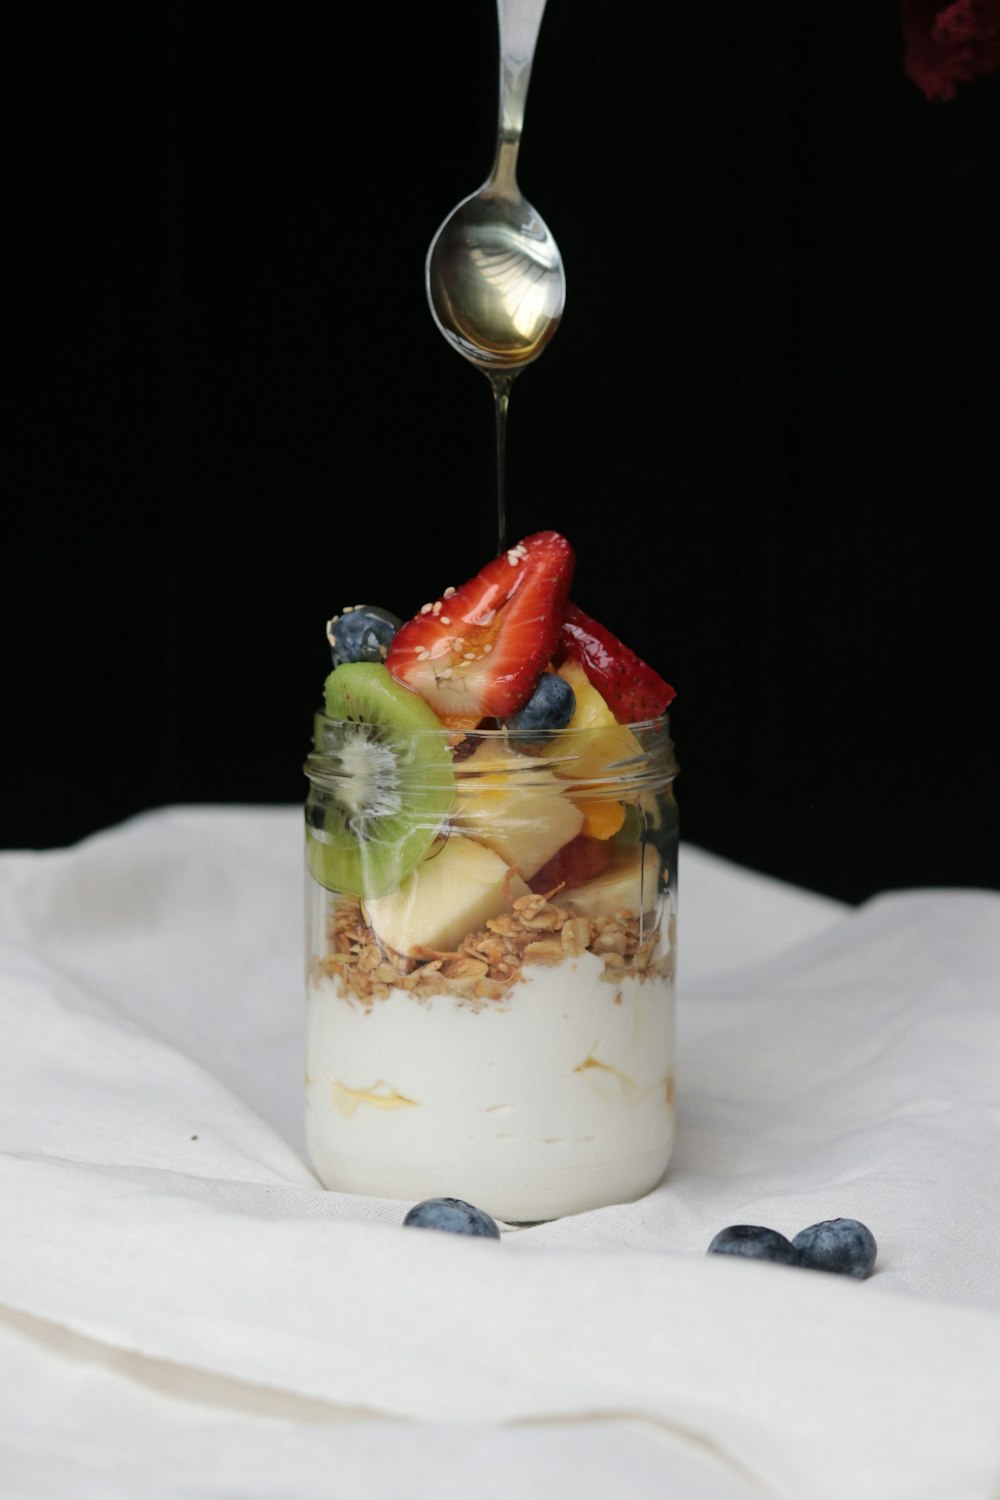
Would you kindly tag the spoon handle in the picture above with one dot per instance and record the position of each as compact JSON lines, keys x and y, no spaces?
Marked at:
{"x":519,"y":22}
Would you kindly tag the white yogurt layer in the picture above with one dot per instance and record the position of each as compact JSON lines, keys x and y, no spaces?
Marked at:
{"x":557,"y":1099}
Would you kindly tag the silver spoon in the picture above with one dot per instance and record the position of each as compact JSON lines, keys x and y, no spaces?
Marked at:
{"x":494,"y":276}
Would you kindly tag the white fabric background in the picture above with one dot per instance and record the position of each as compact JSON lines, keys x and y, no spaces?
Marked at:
{"x":185,"y":1312}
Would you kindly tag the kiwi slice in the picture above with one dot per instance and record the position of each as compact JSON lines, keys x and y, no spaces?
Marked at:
{"x":380,"y":782}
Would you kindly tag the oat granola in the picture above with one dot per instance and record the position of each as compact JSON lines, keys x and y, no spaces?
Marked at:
{"x":491,"y":960}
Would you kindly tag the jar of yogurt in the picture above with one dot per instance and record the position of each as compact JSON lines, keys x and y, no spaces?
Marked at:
{"x":491,"y":941}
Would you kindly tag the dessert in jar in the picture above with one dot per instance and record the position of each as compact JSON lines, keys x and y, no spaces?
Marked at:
{"x":491,"y":848}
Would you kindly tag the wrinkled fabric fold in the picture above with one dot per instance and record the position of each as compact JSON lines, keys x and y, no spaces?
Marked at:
{"x":165,"y":1244}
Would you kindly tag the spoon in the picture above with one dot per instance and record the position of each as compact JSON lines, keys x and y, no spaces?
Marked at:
{"x":494,"y":276}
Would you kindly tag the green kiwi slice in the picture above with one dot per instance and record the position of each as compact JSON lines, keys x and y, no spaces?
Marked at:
{"x":380,"y":782}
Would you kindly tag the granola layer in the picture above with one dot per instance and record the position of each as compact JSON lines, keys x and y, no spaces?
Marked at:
{"x":490,"y":961}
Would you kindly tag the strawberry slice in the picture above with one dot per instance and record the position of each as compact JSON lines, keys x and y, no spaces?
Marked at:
{"x":478,"y":651}
{"x":576,"y":862}
{"x":630,"y":688}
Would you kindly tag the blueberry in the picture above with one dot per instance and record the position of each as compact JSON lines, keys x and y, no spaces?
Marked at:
{"x":454,"y":1215}
{"x":362,"y":633}
{"x":756,"y":1243}
{"x":551,"y":706}
{"x":842,"y":1245}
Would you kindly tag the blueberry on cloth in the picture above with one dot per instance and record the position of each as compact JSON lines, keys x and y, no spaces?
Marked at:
{"x":843,"y":1245}
{"x":453,"y":1215}
{"x":551,"y":706}
{"x":362,"y":633}
{"x":755,"y":1242}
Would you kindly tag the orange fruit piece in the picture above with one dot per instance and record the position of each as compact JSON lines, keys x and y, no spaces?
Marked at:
{"x":602,"y":819}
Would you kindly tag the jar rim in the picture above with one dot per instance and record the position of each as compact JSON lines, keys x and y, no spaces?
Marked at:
{"x":515,"y":736}
{"x":651,"y":755}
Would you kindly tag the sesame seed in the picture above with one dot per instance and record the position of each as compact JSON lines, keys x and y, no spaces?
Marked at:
{"x":448,"y":592}
{"x":445,"y":620}
{"x":487,"y":649}
{"x":425,"y":609}
{"x":469,"y":655}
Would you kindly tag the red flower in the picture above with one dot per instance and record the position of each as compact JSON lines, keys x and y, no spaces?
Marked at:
{"x":948,"y":45}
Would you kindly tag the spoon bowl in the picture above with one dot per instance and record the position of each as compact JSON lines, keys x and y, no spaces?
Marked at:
{"x":495,"y":280}
{"x":494,"y":275}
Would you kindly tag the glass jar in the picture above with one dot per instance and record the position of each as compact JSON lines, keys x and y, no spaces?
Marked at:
{"x":490,"y":965}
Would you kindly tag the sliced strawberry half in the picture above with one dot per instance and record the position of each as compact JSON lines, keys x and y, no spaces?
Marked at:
{"x":630,"y":688}
{"x":576,"y":862}
{"x":478,"y":651}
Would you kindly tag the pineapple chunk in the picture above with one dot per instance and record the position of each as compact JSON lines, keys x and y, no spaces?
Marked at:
{"x":602,"y":742}
{"x":588,"y":755}
{"x":516,"y":806}
{"x":618,"y":887}
{"x":448,"y":895}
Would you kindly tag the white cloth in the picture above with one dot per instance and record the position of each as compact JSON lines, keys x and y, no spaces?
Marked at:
{"x":184,"y":1312}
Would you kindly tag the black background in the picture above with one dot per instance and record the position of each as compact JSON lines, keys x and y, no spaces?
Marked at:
{"x":767,"y":423}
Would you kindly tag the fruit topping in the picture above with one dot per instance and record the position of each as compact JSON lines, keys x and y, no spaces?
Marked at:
{"x":602,"y":741}
{"x":602,"y":817}
{"x":456,"y":890}
{"x":631,"y":688}
{"x":453,"y":1215}
{"x":550,"y":707}
{"x":515,"y":805}
{"x":478,"y":651}
{"x":362,"y":632}
{"x":575,"y":863}
{"x":842,"y":1245}
{"x":632,"y":875}
{"x":380,"y":785}
{"x":755,"y":1242}
{"x":590,"y":755}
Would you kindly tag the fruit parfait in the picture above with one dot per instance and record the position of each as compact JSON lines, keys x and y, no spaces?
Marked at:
{"x":491,"y":847}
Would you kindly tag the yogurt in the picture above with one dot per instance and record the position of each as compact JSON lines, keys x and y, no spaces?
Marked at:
{"x":553,"y":1099}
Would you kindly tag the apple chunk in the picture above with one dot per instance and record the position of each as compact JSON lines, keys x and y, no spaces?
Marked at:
{"x":449,"y":895}
{"x":516,"y":806}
